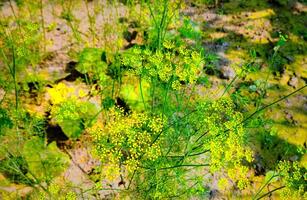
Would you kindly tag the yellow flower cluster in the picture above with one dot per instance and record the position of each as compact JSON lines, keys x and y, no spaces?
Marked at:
{"x":126,"y":140}
{"x":226,"y":140}
{"x":70,"y":110}
{"x":294,"y":178}
{"x":174,"y":64}
{"x":60,"y":93}
{"x":66,"y":101}
{"x":223,"y":184}
{"x":57,"y":192}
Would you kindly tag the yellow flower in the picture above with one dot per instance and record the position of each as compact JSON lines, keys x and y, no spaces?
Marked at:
{"x":82,"y":93}
{"x":60,"y":93}
{"x":125,"y":140}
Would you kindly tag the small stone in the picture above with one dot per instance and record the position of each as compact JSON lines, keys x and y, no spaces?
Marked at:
{"x":227,"y":72}
{"x":294,"y":158}
{"x":293,"y":82}
{"x":290,"y":59}
{"x":214,"y":194}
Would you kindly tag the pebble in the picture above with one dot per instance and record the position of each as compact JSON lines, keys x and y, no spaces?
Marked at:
{"x":293,"y":82}
{"x":228,"y":72}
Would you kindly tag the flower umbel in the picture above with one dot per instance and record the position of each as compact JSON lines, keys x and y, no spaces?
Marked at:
{"x":125,"y":141}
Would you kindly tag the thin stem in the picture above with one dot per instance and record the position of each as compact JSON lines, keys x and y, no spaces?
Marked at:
{"x":43,"y":23}
{"x":275,"y":102}
{"x":92,"y":22}
{"x":156,"y":138}
{"x":16,"y":19}
{"x":4,"y":95}
{"x":229,"y":85}
{"x":165,"y":97}
{"x":141,"y":91}
{"x":262,"y":187}
{"x":152,"y":15}
{"x":270,"y":192}
{"x":182,"y":165}
{"x":161,"y":26}
{"x":15,"y":78}
{"x":153,"y":82}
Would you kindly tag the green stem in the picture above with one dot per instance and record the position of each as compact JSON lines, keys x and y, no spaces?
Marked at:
{"x":182,"y":165}
{"x":153,"y":83}
{"x":270,"y":192}
{"x":229,"y":85}
{"x":262,"y":187}
{"x":141,"y":91}
{"x":92,"y":23}
{"x":5,"y":92}
{"x":275,"y":102}
{"x":165,"y":97}
{"x":43,"y":23}
{"x":161,"y":26}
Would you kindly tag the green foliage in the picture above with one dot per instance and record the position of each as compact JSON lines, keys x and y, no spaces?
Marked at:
{"x":203,"y":81}
{"x":33,"y":84}
{"x":277,"y":61}
{"x":92,"y":63}
{"x":205,"y":2}
{"x":108,"y":103}
{"x":190,"y":30}
{"x":73,"y":116}
{"x":135,"y":94}
{"x":211,"y":61}
{"x":294,"y":178}
{"x":163,"y":14}
{"x":22,"y":44}
{"x":92,"y":60}
{"x":271,"y":176}
{"x":45,"y":162}
{"x":57,"y":191}
{"x":15,"y":168}
{"x":33,"y":125}
{"x":5,"y":121}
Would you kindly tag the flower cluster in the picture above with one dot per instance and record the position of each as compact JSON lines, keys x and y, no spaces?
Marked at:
{"x":56,"y":191}
{"x":60,"y":93}
{"x":226,"y":140}
{"x":172,"y":64}
{"x":125,"y":140}
{"x":294,"y":178}
{"x":67,"y":104}
{"x":69,"y":111}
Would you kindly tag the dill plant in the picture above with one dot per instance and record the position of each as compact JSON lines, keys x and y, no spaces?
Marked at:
{"x":189,"y":127}
{"x":20,"y":49}
{"x":163,"y":150}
